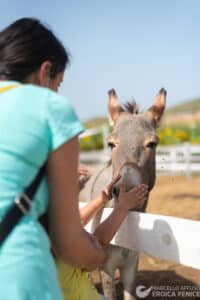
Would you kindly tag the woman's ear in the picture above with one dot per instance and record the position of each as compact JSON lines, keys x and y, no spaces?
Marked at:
{"x":44,"y":74}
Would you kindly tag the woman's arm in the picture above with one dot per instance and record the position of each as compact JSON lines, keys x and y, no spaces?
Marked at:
{"x":91,"y":208}
{"x":127,"y":200}
{"x":71,"y":242}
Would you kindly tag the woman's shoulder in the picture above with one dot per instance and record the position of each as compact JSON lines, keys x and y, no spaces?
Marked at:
{"x":59,"y":114}
{"x":43,"y":93}
{"x":51,"y":112}
{"x":50,"y":99}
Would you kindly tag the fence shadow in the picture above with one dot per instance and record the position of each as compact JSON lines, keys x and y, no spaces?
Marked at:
{"x":158,"y":236}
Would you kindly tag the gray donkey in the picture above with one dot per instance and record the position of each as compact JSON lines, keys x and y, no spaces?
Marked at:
{"x":133,"y":144}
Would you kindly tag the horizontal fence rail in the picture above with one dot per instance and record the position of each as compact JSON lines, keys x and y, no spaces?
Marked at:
{"x":165,"y":237}
{"x":182,"y":158}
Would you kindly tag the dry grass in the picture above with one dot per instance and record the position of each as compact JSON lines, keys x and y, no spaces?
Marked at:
{"x":176,"y":196}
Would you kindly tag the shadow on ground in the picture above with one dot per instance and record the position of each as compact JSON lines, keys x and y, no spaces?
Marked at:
{"x":166,"y":285}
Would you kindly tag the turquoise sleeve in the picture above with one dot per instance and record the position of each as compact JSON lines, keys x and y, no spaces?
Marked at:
{"x":63,"y":123}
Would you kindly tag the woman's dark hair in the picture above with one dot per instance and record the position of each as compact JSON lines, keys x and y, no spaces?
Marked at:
{"x":25,"y":45}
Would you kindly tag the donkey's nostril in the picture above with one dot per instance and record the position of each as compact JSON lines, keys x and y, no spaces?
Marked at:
{"x":115,"y":191}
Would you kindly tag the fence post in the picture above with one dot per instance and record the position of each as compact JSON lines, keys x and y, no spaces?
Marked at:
{"x":173,"y":155}
{"x":187,"y":160}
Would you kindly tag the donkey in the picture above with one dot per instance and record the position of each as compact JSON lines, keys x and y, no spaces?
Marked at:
{"x":133,"y":144}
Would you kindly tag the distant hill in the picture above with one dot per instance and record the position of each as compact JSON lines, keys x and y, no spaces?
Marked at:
{"x":190,"y":106}
{"x":96,"y":122}
{"x":183,"y":112}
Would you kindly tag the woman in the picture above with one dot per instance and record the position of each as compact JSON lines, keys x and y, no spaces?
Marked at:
{"x":37,"y":125}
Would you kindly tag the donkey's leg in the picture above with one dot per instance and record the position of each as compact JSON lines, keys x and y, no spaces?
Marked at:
{"x":114,"y":258}
{"x":108,"y":285}
{"x":128,"y":274}
{"x":101,"y":297}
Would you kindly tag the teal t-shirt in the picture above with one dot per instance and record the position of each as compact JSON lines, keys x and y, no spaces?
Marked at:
{"x":34,"y":121}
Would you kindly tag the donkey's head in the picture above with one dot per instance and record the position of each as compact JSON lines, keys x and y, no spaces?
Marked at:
{"x":133,"y":141}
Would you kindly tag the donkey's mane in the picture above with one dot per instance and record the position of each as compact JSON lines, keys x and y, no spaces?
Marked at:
{"x":131,"y":107}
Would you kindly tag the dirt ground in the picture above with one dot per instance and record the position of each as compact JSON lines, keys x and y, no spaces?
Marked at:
{"x":180,"y":197}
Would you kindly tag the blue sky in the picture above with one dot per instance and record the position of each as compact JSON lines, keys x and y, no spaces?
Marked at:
{"x":136,"y":47}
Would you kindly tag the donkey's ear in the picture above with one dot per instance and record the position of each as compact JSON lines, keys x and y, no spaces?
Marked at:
{"x":114,"y":107}
{"x":155,"y":112}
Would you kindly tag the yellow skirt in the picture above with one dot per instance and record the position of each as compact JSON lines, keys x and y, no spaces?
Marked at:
{"x":75,"y":283}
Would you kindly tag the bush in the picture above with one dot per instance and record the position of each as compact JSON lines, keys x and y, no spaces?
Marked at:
{"x":93,"y":142}
{"x":179,"y":134}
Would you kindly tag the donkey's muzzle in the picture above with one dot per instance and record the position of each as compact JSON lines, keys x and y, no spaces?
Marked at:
{"x":130,"y":176}
{"x":116,"y":191}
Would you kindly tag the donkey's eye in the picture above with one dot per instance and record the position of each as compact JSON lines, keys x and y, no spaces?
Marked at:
{"x":111,"y":145}
{"x":151,"y":145}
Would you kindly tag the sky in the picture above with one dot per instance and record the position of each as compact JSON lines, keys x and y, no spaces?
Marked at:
{"x":134,"y":46}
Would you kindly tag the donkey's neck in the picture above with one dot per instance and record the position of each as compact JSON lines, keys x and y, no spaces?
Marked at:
{"x":99,"y":180}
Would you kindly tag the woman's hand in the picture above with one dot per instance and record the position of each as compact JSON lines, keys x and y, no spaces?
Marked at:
{"x":83,"y":170}
{"x":84,"y":176}
{"x":135,"y":198}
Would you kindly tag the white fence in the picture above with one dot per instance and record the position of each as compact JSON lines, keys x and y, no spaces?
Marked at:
{"x":168,"y":238}
{"x":183,"y":158}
